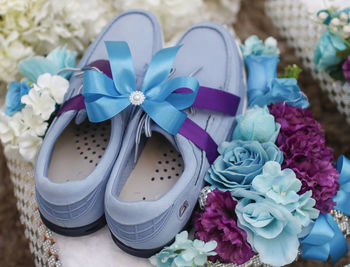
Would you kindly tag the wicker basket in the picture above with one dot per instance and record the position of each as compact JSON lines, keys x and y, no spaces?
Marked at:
{"x":42,"y":243}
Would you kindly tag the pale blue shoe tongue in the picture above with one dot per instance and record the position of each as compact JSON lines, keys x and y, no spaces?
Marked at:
{"x":80,"y":117}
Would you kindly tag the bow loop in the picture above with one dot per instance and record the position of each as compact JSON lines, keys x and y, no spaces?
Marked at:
{"x":172,"y":122}
{"x":324,"y":240}
{"x":159,"y":68}
{"x":98,"y":85}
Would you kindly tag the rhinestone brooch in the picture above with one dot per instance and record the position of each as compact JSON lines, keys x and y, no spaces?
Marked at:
{"x":136,"y":98}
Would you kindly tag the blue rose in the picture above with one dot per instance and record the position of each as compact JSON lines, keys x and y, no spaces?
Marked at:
{"x":271,"y":229}
{"x":279,"y":90}
{"x":13,"y":102}
{"x":261,"y":69}
{"x":254,"y":46}
{"x":256,"y":124}
{"x":325,"y":55}
{"x":239,"y":162}
{"x":55,"y":61}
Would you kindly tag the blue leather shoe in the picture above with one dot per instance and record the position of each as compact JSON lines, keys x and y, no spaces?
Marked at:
{"x":155,"y":182}
{"x":76,"y":156}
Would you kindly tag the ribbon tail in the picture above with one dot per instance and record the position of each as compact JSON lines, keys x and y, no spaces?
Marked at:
{"x":338,"y":245}
{"x":122,"y":66}
{"x":165,"y":115}
{"x":312,"y":252}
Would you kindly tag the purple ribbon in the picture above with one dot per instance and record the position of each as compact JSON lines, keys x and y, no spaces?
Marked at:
{"x":102,"y":65}
{"x":200,"y":138}
{"x":215,"y":100}
{"x":207,"y":98}
{"x":75,"y":103}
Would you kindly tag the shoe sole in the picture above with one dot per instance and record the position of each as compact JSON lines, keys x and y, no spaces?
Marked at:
{"x":76,"y":231}
{"x":141,"y":253}
{"x":146,"y":253}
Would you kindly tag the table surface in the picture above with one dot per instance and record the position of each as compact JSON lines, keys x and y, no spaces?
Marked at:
{"x":14,"y":250}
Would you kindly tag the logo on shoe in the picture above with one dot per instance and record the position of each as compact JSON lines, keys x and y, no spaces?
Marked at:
{"x":183,"y":208}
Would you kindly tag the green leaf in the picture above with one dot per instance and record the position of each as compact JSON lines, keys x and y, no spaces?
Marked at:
{"x":338,"y":75}
{"x":291,"y":71}
{"x":343,"y":54}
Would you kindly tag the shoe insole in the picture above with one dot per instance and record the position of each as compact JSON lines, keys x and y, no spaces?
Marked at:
{"x":157,"y":170}
{"x":78,"y":151}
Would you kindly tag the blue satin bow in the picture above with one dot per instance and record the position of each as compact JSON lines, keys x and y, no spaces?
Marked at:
{"x":105,"y":97}
{"x":343,"y":196}
{"x":325,"y":238}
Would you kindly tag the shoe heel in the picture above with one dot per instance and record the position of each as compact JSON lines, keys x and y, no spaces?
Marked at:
{"x":76,"y":231}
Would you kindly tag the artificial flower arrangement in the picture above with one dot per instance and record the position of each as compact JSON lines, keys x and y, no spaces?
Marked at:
{"x":332,"y":53}
{"x":31,"y":104}
{"x":273,"y":186}
{"x":35,"y":27}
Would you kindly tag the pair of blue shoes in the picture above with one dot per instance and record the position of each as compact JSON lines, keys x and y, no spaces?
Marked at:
{"x":138,"y":131}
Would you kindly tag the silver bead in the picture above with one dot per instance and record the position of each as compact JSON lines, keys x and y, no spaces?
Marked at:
{"x":203,"y":196}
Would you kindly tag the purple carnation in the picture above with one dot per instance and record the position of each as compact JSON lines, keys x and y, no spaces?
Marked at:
{"x":302,"y":141}
{"x":321,"y":177}
{"x":346,"y":69}
{"x":219,"y":222}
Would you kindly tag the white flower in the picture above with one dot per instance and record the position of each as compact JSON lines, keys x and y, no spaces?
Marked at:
{"x":346,"y":31}
{"x":29,"y":146}
{"x":344,"y":17}
{"x":10,"y":128}
{"x":33,"y":123}
{"x":35,"y":27}
{"x":21,"y":132}
{"x":10,"y":56}
{"x":41,"y":102}
{"x":6,"y":133}
{"x":270,"y":41}
{"x":56,"y":85}
{"x":15,"y":122}
{"x":323,"y":15}
{"x":335,"y":22}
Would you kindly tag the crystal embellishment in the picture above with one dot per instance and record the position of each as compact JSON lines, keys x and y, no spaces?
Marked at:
{"x":136,"y":98}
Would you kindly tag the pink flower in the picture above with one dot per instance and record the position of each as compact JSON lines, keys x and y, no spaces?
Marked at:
{"x":302,"y":141}
{"x":219,"y":222}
